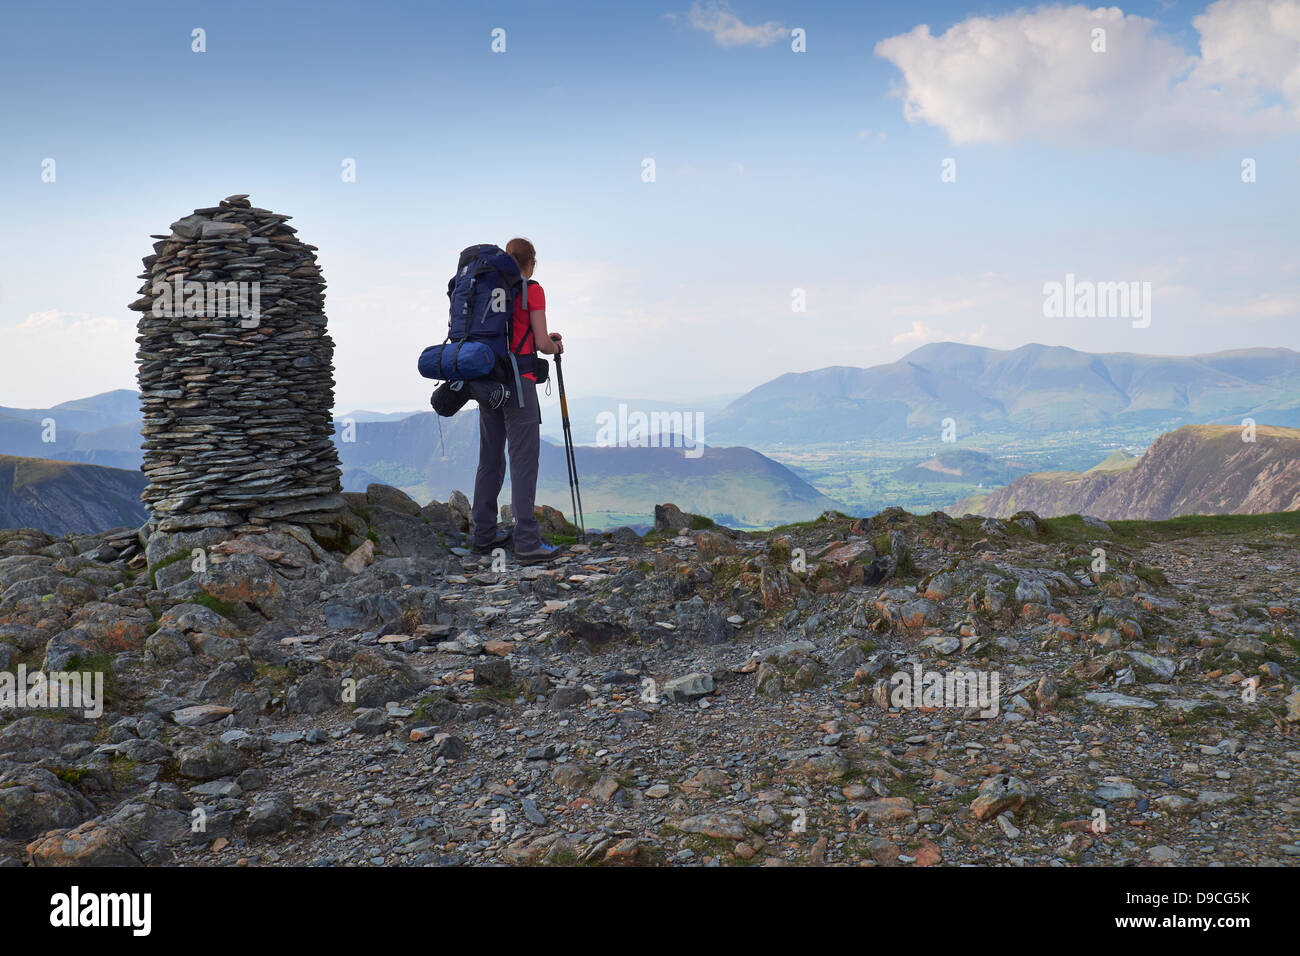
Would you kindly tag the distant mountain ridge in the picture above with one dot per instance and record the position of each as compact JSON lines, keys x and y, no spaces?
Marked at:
{"x":84,"y":414}
{"x":1060,"y":393}
{"x":1034,"y":387}
{"x":101,"y":429}
{"x":732,"y":485}
{"x":1198,"y":469}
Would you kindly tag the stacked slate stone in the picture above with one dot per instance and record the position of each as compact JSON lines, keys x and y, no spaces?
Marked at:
{"x":237,"y":410}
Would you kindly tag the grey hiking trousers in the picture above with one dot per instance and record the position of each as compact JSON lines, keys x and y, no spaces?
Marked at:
{"x":517,"y":427}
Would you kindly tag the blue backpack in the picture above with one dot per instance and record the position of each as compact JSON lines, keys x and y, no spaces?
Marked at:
{"x":482,"y":294}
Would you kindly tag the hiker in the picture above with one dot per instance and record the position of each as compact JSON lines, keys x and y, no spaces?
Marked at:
{"x":519,"y":427}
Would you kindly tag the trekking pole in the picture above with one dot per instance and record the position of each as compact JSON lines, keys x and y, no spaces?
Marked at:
{"x":570,"y":459}
{"x":568,"y":463}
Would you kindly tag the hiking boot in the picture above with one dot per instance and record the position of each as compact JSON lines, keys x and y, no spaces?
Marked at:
{"x":499,"y":540}
{"x":543,"y":554}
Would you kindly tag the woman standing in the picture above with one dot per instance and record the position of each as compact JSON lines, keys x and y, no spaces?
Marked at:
{"x":518,"y":427}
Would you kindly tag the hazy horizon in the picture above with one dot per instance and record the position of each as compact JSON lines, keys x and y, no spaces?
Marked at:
{"x":703,"y":400}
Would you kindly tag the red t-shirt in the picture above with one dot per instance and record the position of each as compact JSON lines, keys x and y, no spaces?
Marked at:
{"x":521,"y":334}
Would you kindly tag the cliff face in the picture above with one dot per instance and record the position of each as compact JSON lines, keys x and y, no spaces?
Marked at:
{"x":1046,"y":493}
{"x":58,"y":496}
{"x":1199,"y":469}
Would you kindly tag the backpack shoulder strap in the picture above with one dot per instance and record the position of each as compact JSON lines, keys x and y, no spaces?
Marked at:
{"x":528,"y":324}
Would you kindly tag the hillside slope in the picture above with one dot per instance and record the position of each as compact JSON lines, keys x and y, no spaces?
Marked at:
{"x":966,"y":466}
{"x":58,"y":496}
{"x":1198,"y":469}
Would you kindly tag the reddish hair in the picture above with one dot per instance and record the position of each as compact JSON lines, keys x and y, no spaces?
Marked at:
{"x":522,"y":251}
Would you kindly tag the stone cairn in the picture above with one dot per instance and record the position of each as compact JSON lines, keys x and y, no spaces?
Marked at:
{"x":237,"y":407}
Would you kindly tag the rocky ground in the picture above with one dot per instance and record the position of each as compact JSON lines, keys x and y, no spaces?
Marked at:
{"x":696,"y":696}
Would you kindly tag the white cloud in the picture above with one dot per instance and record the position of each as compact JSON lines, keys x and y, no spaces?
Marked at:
{"x":54,"y":356}
{"x":1252,"y":45}
{"x":920,"y":333}
{"x":728,"y":29}
{"x":1034,"y":75}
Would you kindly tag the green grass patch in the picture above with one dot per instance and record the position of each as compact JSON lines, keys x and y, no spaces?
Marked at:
{"x":714,"y":846}
{"x":565,"y":856}
{"x":424,"y":709}
{"x":123,"y":770}
{"x":1072,"y":529}
{"x":101,"y":663}
{"x":277,"y":673}
{"x":165,"y":562}
{"x":817,"y":522}
{"x":1153,"y":576}
{"x":504,"y":694}
{"x":72,"y":776}
{"x":224,"y":608}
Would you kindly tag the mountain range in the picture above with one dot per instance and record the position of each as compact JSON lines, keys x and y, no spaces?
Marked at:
{"x":619,"y":484}
{"x":1032,"y":404}
{"x":103,"y":429}
{"x":585,"y":413}
{"x":1034,"y":388}
{"x":736,"y":486}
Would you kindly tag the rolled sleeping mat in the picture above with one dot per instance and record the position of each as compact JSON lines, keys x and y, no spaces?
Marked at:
{"x":457,"y":361}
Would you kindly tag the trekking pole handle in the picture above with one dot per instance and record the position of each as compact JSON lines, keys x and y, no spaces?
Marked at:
{"x":559,"y":374}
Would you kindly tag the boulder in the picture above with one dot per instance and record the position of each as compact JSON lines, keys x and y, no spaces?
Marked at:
{"x":394,"y":499}
{"x":671,"y":518}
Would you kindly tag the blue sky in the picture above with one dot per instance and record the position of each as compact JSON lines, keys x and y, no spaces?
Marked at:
{"x":775,"y":171}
